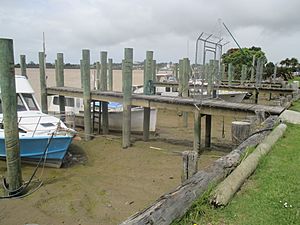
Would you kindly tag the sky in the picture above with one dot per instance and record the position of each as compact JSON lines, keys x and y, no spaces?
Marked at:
{"x":167,"y":27}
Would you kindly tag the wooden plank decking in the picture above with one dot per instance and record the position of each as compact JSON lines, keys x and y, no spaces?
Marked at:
{"x":207,"y":106}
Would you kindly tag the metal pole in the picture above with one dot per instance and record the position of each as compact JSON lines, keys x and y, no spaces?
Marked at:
{"x":86,"y":73}
{"x":127,"y":93}
{"x":10,"y":118}
{"x":43,"y":84}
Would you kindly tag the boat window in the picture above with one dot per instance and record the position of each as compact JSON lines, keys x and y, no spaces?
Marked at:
{"x":30,"y":102}
{"x":0,"y":105}
{"x":20,"y":104}
{"x":168,"y":89}
{"x":68,"y":101}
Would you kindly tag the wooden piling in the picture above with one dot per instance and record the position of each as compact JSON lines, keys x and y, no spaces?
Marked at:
{"x":185,"y":87}
{"x":60,"y":83}
{"x":223,"y":74}
{"x":176,"y":70}
{"x":103,"y":87}
{"x":244,"y":74}
{"x":208,"y":131}
{"x":127,"y":93}
{"x":98,"y":78}
{"x":197,"y":131}
{"x":86,"y":78}
{"x":10,"y":118}
{"x":154,"y":72}
{"x":230,"y":73}
{"x":43,"y":84}
{"x":110,"y":75}
{"x":148,"y":76}
{"x":23,"y":65}
{"x":190,"y":165}
{"x":252,"y":77}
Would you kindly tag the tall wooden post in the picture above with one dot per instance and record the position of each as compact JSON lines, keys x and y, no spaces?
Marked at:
{"x":98,"y":75}
{"x":223,"y":74}
{"x":176,"y":70}
{"x":110,"y":75}
{"x":244,"y":74}
{"x":86,"y":78}
{"x":127,"y":93}
{"x":23,"y":65}
{"x":207,"y":131}
{"x":154,"y":72}
{"x":197,"y":131}
{"x":103,"y":87}
{"x":185,"y":87}
{"x":230,"y":73}
{"x":10,"y":118}
{"x":180,"y":77}
{"x":252,"y":77}
{"x":43,"y":84}
{"x":148,"y":76}
{"x":60,"y":83}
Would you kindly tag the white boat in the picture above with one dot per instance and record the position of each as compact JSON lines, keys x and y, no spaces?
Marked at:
{"x":36,"y":129}
{"x":74,"y":106}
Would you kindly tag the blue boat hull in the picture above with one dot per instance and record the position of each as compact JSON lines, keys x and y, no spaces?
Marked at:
{"x":32,"y":148}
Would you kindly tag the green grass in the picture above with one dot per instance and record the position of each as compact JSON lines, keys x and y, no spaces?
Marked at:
{"x":261,"y":199}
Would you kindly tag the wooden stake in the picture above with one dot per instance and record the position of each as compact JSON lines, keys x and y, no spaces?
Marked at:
{"x":86,"y":78}
{"x":10,"y":118}
{"x":43,"y":83}
{"x":190,"y":165}
{"x":127,"y":93}
{"x":240,"y":131}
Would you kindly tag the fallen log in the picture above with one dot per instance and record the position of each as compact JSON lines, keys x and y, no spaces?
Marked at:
{"x":227,"y":188}
{"x":175,"y":204}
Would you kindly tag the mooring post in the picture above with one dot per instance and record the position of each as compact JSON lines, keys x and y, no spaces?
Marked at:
{"x":154,"y":73}
{"x":208,"y":131}
{"x":103,"y":87}
{"x":110,"y":75}
{"x":223,"y":74}
{"x":10,"y":118}
{"x":185,"y":87}
{"x":23,"y":65}
{"x":127,"y":93}
{"x":190,"y":164}
{"x":60,"y":83}
{"x":176,"y":70}
{"x":98,"y":75}
{"x":244,"y":74}
{"x":197,"y":131}
{"x":180,"y":78}
{"x":230,"y":73}
{"x":252,"y":77}
{"x":148,"y":76}
{"x":86,"y":78}
{"x":43,"y":84}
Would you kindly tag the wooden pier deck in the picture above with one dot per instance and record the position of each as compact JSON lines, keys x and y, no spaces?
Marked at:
{"x":207,"y":106}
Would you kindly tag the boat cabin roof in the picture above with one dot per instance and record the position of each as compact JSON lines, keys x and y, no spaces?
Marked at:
{"x":22,"y":85}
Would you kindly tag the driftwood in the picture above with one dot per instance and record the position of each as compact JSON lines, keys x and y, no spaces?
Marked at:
{"x":227,"y":188}
{"x":176,"y":203}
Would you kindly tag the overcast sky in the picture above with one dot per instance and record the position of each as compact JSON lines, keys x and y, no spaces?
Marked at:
{"x":168,"y":27}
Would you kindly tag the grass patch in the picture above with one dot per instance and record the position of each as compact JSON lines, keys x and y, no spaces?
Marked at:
{"x":270,"y":196}
{"x":295,"y":106}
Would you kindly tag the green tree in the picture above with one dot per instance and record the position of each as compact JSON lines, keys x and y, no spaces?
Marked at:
{"x":238,"y":57}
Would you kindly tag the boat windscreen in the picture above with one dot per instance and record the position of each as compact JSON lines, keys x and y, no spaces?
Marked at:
{"x":20,"y":104}
{"x":30,"y":102}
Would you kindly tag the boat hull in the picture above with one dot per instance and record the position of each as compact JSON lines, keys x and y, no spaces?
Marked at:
{"x":32,"y":148}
